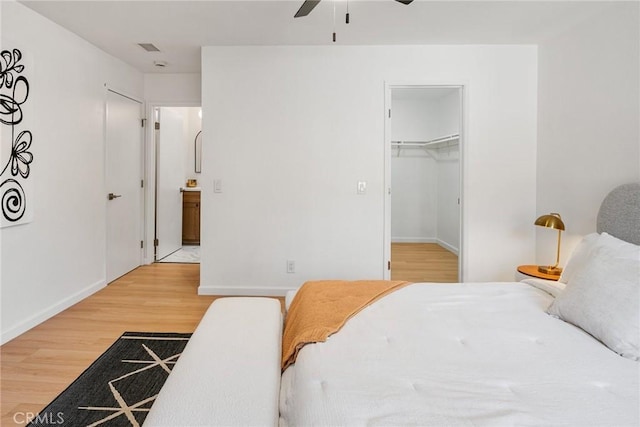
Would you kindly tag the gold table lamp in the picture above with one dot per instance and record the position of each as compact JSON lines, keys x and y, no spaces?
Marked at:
{"x":552,"y":220}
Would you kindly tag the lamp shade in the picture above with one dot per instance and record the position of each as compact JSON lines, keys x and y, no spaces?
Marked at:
{"x":551,"y":221}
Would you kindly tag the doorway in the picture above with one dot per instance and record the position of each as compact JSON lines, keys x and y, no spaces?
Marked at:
{"x":423,"y":206}
{"x":177,"y":191}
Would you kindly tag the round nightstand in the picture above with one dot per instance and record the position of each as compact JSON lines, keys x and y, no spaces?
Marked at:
{"x":525,"y":271}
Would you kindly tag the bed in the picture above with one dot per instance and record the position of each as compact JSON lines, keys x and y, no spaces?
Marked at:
{"x":477,"y":354}
{"x":471,"y":354}
{"x":531,"y":353}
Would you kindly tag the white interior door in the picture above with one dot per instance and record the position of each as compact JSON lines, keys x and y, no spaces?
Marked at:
{"x":170,"y":151}
{"x":123,"y":178}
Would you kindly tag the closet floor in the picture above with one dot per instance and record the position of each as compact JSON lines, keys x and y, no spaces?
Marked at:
{"x":423,"y":262}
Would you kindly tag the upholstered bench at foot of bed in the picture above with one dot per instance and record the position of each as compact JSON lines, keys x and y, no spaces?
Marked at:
{"x":229,"y":372}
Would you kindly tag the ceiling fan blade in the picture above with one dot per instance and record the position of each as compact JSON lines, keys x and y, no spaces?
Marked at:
{"x":306,"y":8}
{"x":404,"y":1}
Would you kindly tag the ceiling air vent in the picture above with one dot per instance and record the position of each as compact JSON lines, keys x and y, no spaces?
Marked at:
{"x":149,"y":47}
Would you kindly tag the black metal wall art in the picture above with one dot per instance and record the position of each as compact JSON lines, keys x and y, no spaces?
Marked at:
{"x":14,"y":92}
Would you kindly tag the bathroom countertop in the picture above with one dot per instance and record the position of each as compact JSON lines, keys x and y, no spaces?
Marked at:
{"x":189,"y":188}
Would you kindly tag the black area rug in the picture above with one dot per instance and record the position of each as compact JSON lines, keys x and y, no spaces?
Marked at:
{"x":120,"y":386}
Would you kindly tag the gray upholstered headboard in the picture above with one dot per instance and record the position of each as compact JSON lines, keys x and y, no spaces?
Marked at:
{"x":619,"y":214}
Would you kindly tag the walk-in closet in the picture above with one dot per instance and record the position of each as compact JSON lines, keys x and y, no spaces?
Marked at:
{"x":425,"y":183}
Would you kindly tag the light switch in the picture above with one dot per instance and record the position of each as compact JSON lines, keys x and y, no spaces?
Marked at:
{"x":217,"y":186}
{"x":362,"y":187}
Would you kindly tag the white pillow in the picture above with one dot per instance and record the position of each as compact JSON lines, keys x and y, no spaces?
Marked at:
{"x":621,"y":248}
{"x":579,"y":257}
{"x":603,"y":299}
{"x":582,"y":253}
{"x":551,"y":287}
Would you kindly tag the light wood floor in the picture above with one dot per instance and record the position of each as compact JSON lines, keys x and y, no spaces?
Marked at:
{"x":39,"y":364}
{"x":423,"y":262}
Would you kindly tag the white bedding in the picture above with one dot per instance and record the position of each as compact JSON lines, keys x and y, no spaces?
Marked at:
{"x":466,"y":354}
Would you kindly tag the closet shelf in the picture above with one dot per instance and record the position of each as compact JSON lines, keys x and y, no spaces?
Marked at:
{"x":445,"y":141}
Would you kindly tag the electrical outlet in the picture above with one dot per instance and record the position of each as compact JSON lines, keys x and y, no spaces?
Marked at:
{"x":291,"y":266}
{"x":217,"y":186}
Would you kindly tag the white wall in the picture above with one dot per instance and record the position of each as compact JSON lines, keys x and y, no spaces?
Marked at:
{"x":413,"y":172}
{"x":178,"y":159}
{"x":449,"y":108}
{"x":448,"y":215}
{"x":448,"y":226}
{"x":194,"y":125}
{"x":191,"y":125}
{"x":414,"y":183}
{"x":416,"y":117}
{"x":290,"y":130}
{"x":588,"y":130}
{"x":172,"y":89}
{"x":59,"y":258}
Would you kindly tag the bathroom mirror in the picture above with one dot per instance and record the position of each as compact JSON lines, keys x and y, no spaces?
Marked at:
{"x":198,"y":152}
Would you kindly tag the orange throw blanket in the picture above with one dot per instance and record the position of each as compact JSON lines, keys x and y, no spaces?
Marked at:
{"x":321,"y":308}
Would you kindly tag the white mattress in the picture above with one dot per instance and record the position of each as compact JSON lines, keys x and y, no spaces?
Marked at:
{"x":466,"y":354}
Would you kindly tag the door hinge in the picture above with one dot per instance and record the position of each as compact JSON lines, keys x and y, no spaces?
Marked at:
{"x":155,"y":242}
{"x":389,"y":112}
{"x":388,"y":265}
{"x":142,"y":122}
{"x":142,"y":183}
{"x":141,"y":244}
{"x":157,"y":126}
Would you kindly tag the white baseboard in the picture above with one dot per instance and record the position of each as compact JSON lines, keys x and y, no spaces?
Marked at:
{"x":48,"y":313}
{"x":447,"y":246}
{"x":413,"y":240}
{"x":243,"y":292}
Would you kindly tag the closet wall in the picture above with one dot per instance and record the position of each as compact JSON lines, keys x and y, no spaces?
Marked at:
{"x":425,"y":183}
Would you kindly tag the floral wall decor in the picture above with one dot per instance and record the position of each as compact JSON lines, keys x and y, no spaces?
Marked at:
{"x":16,"y":186}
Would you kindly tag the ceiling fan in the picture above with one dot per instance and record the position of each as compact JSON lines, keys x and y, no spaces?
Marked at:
{"x":308,"y":6}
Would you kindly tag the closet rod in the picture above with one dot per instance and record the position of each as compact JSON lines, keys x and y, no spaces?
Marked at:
{"x":408,"y":144}
{"x":444,"y":139}
{"x":433,"y":143}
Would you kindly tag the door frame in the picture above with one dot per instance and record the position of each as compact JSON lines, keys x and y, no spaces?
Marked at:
{"x":108,"y":88}
{"x":463,"y":86}
{"x":150,"y":174}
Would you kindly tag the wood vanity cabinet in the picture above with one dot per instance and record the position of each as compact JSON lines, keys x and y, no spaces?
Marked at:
{"x":191,"y":218}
